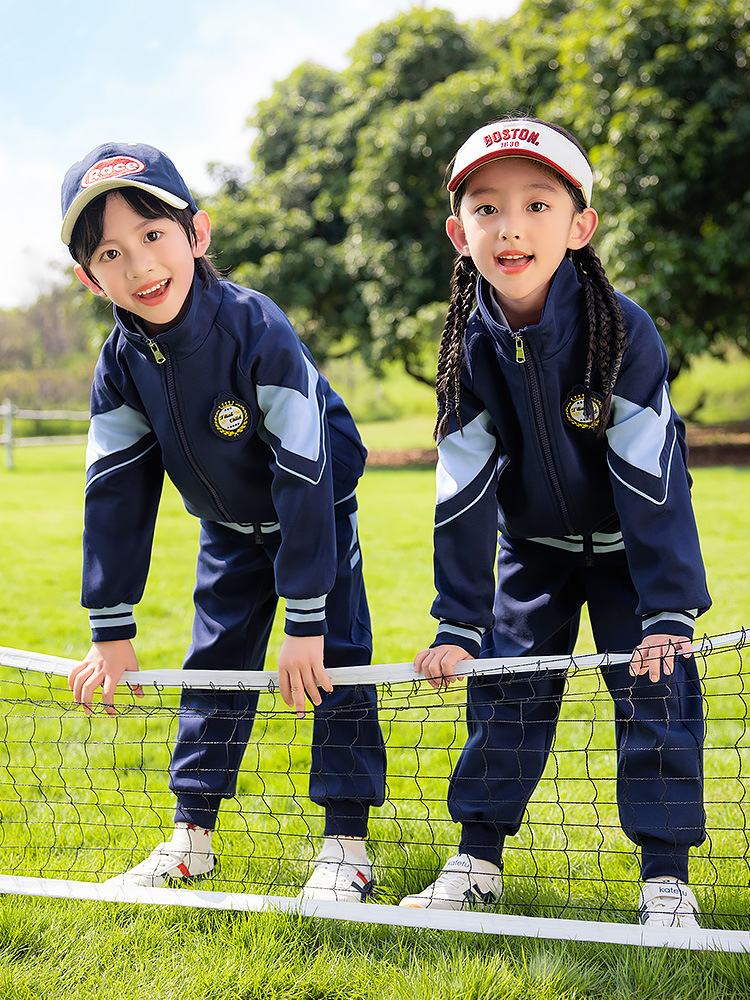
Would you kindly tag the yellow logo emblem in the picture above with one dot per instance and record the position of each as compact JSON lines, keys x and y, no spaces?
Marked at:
{"x":230,"y":417}
{"x":575,"y":414}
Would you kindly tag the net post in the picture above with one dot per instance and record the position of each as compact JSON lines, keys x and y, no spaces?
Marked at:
{"x":6,"y":409}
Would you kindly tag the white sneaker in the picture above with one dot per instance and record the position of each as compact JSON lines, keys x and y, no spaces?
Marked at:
{"x":342,"y":873}
{"x":667,"y":902}
{"x":464,"y":882}
{"x":176,"y":862}
{"x":340,"y":882}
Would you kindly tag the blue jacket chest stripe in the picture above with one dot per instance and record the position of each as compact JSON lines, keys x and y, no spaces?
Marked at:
{"x":642,"y":441}
{"x":630,"y":478}
{"x":294,"y":423}
{"x":116,"y":438}
{"x":463,"y":455}
{"x":639,"y":433}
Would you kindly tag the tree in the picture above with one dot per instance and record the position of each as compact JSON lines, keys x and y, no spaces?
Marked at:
{"x":288,"y":230}
{"x":48,"y":349}
{"x":342,"y":219}
{"x":661,"y":95}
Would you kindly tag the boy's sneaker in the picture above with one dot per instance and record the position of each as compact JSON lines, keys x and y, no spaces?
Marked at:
{"x":667,"y":902}
{"x":463,"y":883}
{"x":174,"y":863}
{"x":342,"y":873}
{"x":340,"y":882}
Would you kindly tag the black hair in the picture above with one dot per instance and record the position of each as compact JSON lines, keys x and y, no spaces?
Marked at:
{"x":606,"y":323}
{"x":88,"y":231}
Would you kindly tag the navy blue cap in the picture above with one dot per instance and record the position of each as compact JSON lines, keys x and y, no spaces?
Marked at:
{"x":121,"y":164}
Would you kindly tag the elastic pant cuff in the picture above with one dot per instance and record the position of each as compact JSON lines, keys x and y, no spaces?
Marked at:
{"x":200,"y":810}
{"x":482,"y":841}
{"x":658,"y":861}
{"x":346,"y":818}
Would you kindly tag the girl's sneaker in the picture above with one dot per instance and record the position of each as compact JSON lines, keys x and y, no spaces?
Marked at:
{"x":464,"y":882}
{"x":667,"y":902}
{"x":177,"y":862}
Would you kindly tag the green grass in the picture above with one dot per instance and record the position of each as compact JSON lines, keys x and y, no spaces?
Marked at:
{"x":720,"y":384}
{"x":57,"y":949}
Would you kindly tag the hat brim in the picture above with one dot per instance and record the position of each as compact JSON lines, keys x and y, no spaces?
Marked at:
{"x":89,"y":194}
{"x":522,"y":137}
{"x":455,"y":182}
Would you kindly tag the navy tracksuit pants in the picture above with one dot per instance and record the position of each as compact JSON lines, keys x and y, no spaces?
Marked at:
{"x":659,"y":727}
{"x":235,"y":604}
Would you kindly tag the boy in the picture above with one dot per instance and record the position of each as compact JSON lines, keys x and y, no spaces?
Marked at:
{"x":208,"y":382}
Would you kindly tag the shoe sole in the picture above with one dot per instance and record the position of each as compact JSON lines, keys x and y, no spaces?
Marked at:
{"x":175,"y":883}
{"x":366,"y":896}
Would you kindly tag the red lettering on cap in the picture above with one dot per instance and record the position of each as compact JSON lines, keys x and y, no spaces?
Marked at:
{"x":508,"y":135}
{"x":113,"y":166}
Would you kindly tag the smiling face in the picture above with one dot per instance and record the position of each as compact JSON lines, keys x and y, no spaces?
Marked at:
{"x":516,"y":220}
{"x":145,"y":265}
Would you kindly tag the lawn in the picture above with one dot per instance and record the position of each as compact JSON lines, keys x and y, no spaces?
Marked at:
{"x":58,"y":949}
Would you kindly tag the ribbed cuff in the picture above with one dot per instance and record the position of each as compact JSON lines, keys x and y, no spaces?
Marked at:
{"x":465,"y":636}
{"x":109,"y":624}
{"x":306,"y":617}
{"x":669,"y":623}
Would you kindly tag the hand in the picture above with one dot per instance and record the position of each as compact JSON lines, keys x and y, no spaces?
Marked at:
{"x":301,"y":670}
{"x":657,"y":653}
{"x":103,"y":666}
{"x":437,"y":664}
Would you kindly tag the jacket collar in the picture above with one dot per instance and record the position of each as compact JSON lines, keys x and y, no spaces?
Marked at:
{"x":560,"y":317}
{"x":188,"y":335}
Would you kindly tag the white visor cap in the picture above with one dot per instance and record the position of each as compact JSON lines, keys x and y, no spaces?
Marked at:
{"x":521,"y":137}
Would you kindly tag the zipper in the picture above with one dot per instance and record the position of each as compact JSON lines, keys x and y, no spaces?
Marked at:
{"x":182,"y":434}
{"x":156,"y":351}
{"x":541,"y":428}
{"x":588,"y":550}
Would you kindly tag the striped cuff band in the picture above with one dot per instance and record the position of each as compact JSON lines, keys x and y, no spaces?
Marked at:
{"x":463,"y":631}
{"x":311,"y":610}
{"x":117,"y":617}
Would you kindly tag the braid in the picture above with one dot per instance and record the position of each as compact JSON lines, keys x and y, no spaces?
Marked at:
{"x":450,"y":357}
{"x":607,"y":333}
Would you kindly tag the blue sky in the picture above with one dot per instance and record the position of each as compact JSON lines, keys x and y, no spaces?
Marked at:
{"x":182,"y":75}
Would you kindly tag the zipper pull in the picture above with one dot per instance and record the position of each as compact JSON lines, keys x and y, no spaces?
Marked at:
{"x":520,"y":355}
{"x":155,"y":350}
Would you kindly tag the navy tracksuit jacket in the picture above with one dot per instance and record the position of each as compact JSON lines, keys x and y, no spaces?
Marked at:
{"x":230,"y":405}
{"x":607,"y":522}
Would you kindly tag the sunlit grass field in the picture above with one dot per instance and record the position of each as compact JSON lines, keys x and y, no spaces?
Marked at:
{"x":51,"y":949}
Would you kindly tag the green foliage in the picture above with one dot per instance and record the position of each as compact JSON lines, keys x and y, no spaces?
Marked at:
{"x":48,"y":350}
{"x":343,"y":217}
{"x":293,"y":230}
{"x":660,"y":94}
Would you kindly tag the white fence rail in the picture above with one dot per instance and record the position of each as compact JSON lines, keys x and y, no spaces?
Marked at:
{"x":9,"y":412}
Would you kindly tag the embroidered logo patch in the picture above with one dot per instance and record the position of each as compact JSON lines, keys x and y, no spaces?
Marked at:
{"x":113,"y":166}
{"x":574,"y":411}
{"x":229,"y":417}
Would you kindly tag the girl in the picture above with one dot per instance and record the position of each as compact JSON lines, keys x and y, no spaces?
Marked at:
{"x":555,"y":427}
